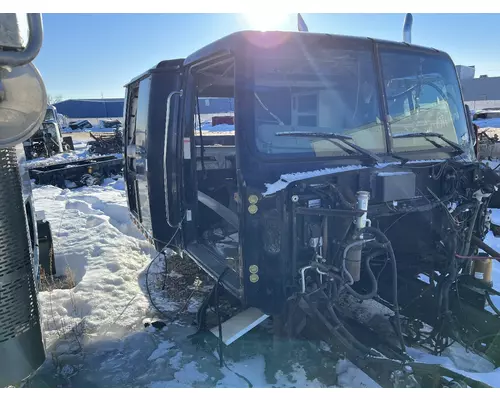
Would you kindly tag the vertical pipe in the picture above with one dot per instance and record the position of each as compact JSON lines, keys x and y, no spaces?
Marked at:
{"x":407,"y":28}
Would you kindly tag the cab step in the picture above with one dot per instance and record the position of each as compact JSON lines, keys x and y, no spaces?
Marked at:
{"x":235,"y":327}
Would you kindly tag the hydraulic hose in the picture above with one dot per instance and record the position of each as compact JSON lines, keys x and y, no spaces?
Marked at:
{"x":371,"y":275}
{"x":341,"y":330}
{"x":387,"y":244}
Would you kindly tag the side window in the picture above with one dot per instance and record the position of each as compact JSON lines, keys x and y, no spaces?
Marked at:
{"x":214,"y":120}
{"x":142,"y":111}
{"x":131,"y":115}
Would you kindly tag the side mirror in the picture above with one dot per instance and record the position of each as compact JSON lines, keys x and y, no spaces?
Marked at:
{"x":472,"y":127}
{"x":10,"y":40}
{"x":23,"y":98}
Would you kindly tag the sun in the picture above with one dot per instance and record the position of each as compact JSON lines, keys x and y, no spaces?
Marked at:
{"x":262,"y":21}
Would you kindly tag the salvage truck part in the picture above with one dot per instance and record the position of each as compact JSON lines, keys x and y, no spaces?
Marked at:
{"x":23,"y":102}
{"x":47,"y":140}
{"x":87,"y":172}
{"x":350,"y":180}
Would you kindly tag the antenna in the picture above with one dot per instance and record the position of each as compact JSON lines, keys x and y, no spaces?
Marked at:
{"x":407,"y":28}
{"x":302,"y":27}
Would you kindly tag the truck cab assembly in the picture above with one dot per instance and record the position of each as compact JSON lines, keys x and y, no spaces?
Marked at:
{"x":350,"y":180}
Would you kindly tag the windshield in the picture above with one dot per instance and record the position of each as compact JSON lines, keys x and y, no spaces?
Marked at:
{"x":423,"y":96}
{"x":337,"y":95}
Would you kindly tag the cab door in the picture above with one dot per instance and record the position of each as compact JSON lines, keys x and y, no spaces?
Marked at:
{"x":131,"y":101}
{"x":152,"y":151}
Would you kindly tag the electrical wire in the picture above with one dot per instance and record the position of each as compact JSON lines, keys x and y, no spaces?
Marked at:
{"x":149,"y":267}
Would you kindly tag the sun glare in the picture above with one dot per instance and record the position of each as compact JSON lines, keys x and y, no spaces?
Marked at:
{"x":262,"y":21}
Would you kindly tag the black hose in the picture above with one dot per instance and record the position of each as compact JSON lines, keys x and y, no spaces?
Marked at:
{"x":339,"y":328}
{"x":343,"y":330}
{"x":374,"y":290}
{"x":491,"y":304}
{"x":218,"y":284}
{"x":483,"y":246}
{"x":387,"y":244}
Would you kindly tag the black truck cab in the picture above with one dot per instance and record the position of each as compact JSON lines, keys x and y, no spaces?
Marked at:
{"x":317,"y":118}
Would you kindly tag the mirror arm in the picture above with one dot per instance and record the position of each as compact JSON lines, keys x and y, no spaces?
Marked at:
{"x":17,"y":58}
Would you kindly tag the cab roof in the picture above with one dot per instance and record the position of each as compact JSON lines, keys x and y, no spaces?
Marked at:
{"x":242,"y":43}
{"x":239,"y":43}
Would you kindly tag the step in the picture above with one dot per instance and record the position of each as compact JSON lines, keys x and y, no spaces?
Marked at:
{"x":235,"y":327}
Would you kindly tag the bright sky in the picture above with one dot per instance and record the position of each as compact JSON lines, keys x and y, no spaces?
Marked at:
{"x":89,"y":55}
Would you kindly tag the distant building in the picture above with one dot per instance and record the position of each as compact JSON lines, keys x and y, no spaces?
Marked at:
{"x":92,"y":110}
{"x":212,"y":105}
{"x":479,"y":93}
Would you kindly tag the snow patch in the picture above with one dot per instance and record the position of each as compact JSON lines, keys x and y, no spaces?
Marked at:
{"x":350,"y":376}
{"x":161,"y":351}
{"x":286,"y":179}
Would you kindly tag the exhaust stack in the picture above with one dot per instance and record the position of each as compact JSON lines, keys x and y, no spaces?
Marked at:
{"x":407,"y":28}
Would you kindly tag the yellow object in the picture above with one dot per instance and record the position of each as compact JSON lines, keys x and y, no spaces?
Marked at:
{"x":482,"y":270}
{"x":252,"y":208}
{"x":254,"y":278}
{"x":253,"y":269}
{"x":253,"y":199}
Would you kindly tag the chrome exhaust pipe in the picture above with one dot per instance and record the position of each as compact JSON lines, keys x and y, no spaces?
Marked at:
{"x":407,"y":28}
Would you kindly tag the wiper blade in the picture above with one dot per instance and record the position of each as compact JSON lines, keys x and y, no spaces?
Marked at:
{"x":429,"y":135}
{"x":330,"y":135}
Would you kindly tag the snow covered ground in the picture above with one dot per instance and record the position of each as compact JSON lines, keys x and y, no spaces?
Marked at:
{"x":95,"y":334}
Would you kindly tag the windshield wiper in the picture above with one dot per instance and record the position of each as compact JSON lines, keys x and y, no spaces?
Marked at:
{"x":427,"y":135}
{"x":330,"y":135}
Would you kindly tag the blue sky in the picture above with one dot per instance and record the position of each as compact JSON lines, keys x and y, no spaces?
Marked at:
{"x":86,"y":55}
